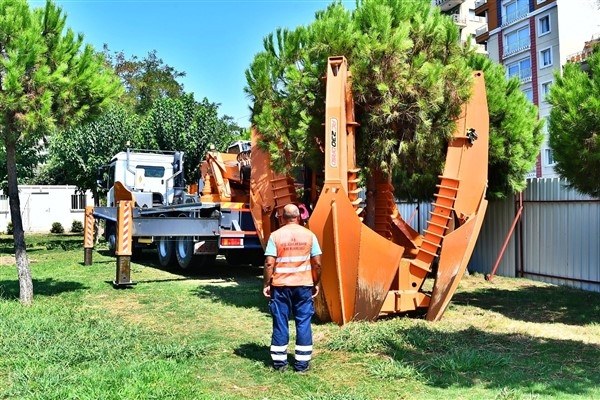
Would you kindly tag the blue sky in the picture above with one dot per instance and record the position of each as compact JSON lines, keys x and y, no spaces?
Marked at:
{"x":212,"y":41}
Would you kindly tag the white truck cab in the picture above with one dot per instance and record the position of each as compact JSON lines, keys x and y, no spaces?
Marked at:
{"x":156,"y":178}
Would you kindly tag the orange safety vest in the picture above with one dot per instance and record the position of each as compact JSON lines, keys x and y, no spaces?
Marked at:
{"x":292,"y":264}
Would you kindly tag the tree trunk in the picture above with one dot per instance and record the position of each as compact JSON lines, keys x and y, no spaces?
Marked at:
{"x":369,"y":219}
{"x":25,"y":281}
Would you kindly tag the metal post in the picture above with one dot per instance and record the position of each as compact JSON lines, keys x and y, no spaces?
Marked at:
{"x":124,"y":243}
{"x":88,"y":238}
{"x":507,"y":239}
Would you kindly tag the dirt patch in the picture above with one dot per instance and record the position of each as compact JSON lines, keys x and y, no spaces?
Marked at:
{"x":7,"y":261}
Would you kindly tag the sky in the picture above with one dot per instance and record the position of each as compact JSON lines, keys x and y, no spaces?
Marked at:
{"x":212,"y":41}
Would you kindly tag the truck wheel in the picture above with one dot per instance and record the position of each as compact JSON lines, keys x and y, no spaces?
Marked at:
{"x":111,"y":238}
{"x":184,"y":251}
{"x":165,"y":249}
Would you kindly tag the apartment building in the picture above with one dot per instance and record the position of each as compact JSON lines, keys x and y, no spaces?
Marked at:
{"x":463,"y":14}
{"x":533,"y":39}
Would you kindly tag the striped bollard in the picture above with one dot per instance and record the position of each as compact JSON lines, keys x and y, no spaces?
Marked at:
{"x":124,"y":243}
{"x":88,"y":235}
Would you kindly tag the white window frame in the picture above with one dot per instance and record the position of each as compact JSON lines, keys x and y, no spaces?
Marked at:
{"x":549,"y":157}
{"x":541,"y":59}
{"x":78,"y":202}
{"x":540,"y":33}
{"x":545,"y":89}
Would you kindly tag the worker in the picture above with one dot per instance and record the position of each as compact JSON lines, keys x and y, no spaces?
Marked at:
{"x":291,"y":282}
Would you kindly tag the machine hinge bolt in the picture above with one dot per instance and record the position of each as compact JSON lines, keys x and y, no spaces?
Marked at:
{"x":472,"y":135}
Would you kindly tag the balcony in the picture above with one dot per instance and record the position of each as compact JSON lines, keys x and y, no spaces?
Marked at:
{"x":580,"y":56}
{"x":447,"y":5}
{"x":481,"y":30}
{"x":508,"y":19}
{"x":481,"y":6}
{"x":588,"y":49}
{"x":524,"y":75}
{"x":459,"y":19}
{"x":482,"y":34}
{"x":515,"y":48}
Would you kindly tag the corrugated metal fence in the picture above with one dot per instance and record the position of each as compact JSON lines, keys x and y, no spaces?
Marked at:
{"x":557,"y":240}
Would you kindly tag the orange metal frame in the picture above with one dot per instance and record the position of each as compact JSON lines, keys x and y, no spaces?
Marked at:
{"x":368,"y":273}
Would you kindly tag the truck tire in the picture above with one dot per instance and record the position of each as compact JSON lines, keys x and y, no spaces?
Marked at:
{"x":166,"y":251}
{"x":111,"y":238}
{"x":184,"y":251}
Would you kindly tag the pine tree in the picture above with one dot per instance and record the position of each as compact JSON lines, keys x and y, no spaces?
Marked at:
{"x":574,"y":125}
{"x":49,"y":79}
{"x":410,"y":77}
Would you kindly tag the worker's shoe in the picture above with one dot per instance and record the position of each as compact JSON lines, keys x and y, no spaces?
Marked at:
{"x":301,"y":371}
{"x":281,"y":368}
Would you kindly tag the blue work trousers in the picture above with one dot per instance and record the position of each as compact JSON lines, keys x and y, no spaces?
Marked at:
{"x":296,"y":300}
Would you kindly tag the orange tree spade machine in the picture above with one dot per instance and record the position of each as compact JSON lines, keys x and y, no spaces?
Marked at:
{"x":368,"y":273}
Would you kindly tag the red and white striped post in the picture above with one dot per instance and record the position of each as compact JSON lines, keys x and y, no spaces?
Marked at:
{"x":124,"y":243}
{"x":88,"y":235}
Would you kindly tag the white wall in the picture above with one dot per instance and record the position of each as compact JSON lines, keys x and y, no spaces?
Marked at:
{"x":41,"y":206}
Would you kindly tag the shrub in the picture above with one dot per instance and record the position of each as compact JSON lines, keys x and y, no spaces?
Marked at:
{"x":77,"y":226}
{"x":57,"y":228}
{"x":9,"y":228}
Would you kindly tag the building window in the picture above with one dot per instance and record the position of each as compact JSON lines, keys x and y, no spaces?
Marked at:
{"x":529,"y":94}
{"x":516,"y":40}
{"x":4,"y":203}
{"x":544,"y":25}
{"x":546,"y":57}
{"x":78,"y":201}
{"x":520,"y":69}
{"x":545,"y":89}
{"x":514,"y":10}
{"x":550,"y":157}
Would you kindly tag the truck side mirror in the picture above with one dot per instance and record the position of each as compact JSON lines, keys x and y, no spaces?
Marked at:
{"x":100,"y":179}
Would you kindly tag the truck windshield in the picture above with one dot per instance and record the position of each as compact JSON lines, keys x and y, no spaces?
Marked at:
{"x":151,"y":171}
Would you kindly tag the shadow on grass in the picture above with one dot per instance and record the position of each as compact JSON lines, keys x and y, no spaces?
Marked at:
{"x":243,"y":294}
{"x":553,"y":304}
{"x":41,"y":287}
{"x":36,"y":243}
{"x":472,"y":357}
{"x":254,"y":352}
{"x":219,"y":269}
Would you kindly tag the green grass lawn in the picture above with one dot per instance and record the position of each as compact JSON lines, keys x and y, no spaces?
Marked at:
{"x":206,"y":336}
